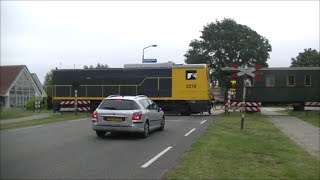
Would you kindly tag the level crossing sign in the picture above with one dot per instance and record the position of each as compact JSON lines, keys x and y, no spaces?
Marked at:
{"x":244,"y":70}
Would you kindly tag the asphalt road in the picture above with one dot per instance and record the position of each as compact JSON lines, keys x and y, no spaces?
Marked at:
{"x":71,"y":150}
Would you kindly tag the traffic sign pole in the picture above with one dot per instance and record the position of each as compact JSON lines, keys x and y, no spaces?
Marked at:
{"x":76,"y":102}
{"x":243,"y":101}
{"x":244,"y":71}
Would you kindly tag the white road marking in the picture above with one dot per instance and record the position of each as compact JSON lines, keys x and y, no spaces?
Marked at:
{"x":190,"y":132}
{"x":203,"y":121}
{"x":156,"y":157}
{"x":31,"y":127}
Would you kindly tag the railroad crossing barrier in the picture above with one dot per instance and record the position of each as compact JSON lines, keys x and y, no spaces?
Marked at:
{"x":253,"y":107}
{"x":68,"y":106}
{"x":311,"y":106}
{"x":250,"y":106}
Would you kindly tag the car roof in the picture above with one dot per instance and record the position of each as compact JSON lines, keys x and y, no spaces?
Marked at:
{"x":126,"y":97}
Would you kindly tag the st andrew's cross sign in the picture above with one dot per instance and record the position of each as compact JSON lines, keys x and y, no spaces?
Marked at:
{"x":244,"y":71}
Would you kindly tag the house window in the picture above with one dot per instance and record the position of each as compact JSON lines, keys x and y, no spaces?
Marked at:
{"x":307,"y":80}
{"x":191,"y":74}
{"x":269,"y":80}
{"x":291,"y":80}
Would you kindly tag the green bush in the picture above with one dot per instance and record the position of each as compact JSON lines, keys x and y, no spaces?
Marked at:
{"x":30,"y":103}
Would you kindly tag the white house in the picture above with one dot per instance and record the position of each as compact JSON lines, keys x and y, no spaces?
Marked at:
{"x":18,"y":85}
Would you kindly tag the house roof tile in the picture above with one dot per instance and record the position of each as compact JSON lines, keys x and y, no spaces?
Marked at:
{"x":7,"y":75}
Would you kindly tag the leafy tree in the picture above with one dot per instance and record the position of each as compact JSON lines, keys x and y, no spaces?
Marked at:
{"x":308,"y":58}
{"x":225,"y":42}
{"x":99,"y":66}
{"x":48,"y":78}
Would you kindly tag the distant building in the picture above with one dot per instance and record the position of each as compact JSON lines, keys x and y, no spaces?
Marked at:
{"x":18,"y":85}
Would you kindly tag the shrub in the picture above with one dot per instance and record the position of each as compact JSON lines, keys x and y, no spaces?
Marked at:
{"x":30,"y":103}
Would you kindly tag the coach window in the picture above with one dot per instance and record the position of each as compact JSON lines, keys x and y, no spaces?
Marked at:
{"x":307,"y":80}
{"x":191,"y":74}
{"x":269,"y":80}
{"x":291,"y":80}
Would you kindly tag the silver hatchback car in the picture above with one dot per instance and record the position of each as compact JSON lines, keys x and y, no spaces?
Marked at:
{"x":127,"y":114}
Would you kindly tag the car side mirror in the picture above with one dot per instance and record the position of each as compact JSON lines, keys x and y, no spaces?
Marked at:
{"x":159,"y":109}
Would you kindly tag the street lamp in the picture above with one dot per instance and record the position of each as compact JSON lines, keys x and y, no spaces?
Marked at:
{"x":154,"y":45}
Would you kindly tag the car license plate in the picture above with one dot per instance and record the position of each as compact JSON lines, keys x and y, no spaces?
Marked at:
{"x":115,"y":119}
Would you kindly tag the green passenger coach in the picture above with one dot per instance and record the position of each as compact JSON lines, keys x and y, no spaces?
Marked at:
{"x":295,"y":85}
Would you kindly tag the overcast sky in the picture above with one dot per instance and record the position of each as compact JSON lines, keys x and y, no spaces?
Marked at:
{"x":46,"y":35}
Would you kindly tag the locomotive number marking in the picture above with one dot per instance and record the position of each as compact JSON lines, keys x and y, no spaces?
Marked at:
{"x":191,"y":86}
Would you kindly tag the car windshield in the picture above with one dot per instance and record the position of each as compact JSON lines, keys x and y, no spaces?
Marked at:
{"x":119,"y":104}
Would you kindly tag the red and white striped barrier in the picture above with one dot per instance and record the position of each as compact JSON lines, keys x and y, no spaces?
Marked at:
{"x":312,"y":103}
{"x":250,"y":106}
{"x":252,"y":109}
{"x":72,"y":102}
{"x":68,"y":106}
{"x":83,"y":109}
{"x":239,"y":104}
{"x":236,"y":104}
{"x":70,"y":109}
{"x":312,"y":106}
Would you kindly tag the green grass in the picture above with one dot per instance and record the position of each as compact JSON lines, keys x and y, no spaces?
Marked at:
{"x":259,"y":151}
{"x":53,"y":118}
{"x":15,"y":113}
{"x":312,"y":117}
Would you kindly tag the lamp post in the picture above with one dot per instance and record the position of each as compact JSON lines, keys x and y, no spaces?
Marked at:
{"x":154,"y":45}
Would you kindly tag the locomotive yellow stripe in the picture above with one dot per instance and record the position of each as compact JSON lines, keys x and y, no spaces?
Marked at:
{"x":101,"y":98}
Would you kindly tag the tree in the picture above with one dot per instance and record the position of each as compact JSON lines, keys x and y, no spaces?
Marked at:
{"x":48,"y":78}
{"x":225,"y":42}
{"x":99,"y":66}
{"x":308,"y":58}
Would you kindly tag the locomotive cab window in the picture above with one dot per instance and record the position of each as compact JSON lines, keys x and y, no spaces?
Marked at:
{"x":191,"y":74}
{"x":307,"y":80}
{"x":291,"y":80}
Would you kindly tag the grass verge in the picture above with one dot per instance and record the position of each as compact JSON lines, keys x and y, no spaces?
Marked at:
{"x":312,"y":117}
{"x":259,"y":151}
{"x":11,"y":113}
{"x":53,"y":118}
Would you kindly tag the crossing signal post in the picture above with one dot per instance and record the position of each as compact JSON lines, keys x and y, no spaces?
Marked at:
{"x":244,"y":71}
{"x":233,"y":85}
{"x":75,"y":86}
